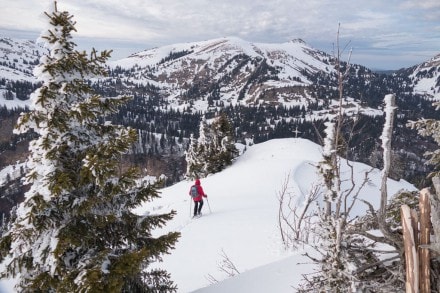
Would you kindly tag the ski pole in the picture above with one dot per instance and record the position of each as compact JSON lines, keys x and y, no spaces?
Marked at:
{"x":208,"y":205}
{"x":190,"y":212}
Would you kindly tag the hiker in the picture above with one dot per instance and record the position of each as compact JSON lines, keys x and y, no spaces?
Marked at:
{"x":197,"y":194}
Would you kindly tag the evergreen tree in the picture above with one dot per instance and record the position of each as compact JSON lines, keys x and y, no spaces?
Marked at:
{"x":214,"y":149}
{"x":221,"y":150}
{"x":75,"y":231}
{"x":204,"y":133}
{"x":204,"y":143}
{"x":192,"y":158}
{"x":430,"y":127}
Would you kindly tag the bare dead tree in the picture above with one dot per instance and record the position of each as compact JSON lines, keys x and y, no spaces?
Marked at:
{"x":435,"y":216}
{"x":348,"y":249}
{"x":390,"y":109}
{"x":295,"y":221}
{"x":226,"y":266}
{"x":341,"y":76}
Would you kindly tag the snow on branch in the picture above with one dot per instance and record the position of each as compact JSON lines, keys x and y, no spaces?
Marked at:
{"x":329,"y":140}
{"x":390,"y":109}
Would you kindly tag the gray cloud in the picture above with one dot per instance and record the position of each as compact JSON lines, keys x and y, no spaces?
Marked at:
{"x":375,"y":25}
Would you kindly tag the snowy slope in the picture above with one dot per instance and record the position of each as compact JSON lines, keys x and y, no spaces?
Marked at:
{"x":426,"y":78}
{"x":18,"y":58}
{"x":278,"y":277}
{"x":17,"y":61}
{"x":243,"y":222}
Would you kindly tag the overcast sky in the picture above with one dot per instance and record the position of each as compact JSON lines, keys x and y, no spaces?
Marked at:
{"x":384,"y":34}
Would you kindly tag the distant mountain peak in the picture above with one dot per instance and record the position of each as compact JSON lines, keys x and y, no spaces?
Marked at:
{"x":426,"y":78}
{"x":433,"y":62}
{"x":298,"y":40}
{"x":229,"y":70}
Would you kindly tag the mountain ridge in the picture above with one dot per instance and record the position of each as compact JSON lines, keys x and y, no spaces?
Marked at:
{"x":267,"y":90}
{"x":230,"y":65}
{"x":223,"y":66}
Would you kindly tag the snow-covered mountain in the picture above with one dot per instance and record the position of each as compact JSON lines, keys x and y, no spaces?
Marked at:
{"x":18,"y":59}
{"x":426,"y":78}
{"x":243,"y":198}
{"x":273,"y":90}
{"x":230,"y":70}
{"x":227,"y":71}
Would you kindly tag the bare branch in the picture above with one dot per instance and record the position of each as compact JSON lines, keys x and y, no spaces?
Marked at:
{"x":355,"y":196}
{"x":370,"y":207}
{"x":227,"y":266}
{"x":294,"y":220}
{"x":374,"y":237}
{"x":366,"y":267}
{"x":211,"y":279}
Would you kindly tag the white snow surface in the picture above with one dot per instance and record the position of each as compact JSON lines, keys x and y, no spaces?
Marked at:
{"x":241,"y":220}
{"x":429,"y":84}
{"x":17,"y":62}
{"x":243,"y":223}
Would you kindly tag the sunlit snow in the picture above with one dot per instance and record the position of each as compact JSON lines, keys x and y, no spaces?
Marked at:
{"x":243,"y":223}
{"x":240,"y":220}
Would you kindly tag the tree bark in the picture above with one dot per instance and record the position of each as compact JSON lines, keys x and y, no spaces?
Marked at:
{"x":435,"y":215}
{"x":411,"y":258}
{"x":425,"y":231}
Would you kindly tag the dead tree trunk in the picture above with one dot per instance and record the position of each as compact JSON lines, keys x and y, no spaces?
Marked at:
{"x":435,"y":207}
{"x":425,"y":232}
{"x":411,"y":258}
{"x":416,"y":245}
{"x":390,"y":109}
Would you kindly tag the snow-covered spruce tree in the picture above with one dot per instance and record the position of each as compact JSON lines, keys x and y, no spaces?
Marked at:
{"x":193,"y":160}
{"x":214,"y":149}
{"x":197,"y":152}
{"x":430,"y":127}
{"x":75,"y":231}
{"x":222,"y":149}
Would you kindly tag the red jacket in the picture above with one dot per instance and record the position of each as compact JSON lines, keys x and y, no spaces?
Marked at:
{"x":199,"y":191}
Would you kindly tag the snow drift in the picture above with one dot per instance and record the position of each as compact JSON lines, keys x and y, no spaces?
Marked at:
{"x":243,"y":224}
{"x":240,"y":220}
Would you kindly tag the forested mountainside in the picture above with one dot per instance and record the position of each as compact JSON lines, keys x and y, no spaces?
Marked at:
{"x":267,"y":91}
{"x":271,"y":91}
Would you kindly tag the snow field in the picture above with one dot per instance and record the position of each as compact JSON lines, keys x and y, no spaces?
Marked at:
{"x":244,"y":220}
{"x":243,"y":224}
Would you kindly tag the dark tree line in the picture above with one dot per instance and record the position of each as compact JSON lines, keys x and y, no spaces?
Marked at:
{"x":17,"y":89}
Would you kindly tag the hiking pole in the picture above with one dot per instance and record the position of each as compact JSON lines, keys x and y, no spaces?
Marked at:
{"x":208,"y":205}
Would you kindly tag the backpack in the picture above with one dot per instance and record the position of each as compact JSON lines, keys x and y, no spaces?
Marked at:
{"x":194,"y":192}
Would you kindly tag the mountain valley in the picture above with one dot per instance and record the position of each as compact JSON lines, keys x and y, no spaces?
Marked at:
{"x":267,"y":91}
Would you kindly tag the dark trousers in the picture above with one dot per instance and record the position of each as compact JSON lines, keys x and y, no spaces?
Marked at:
{"x":198,"y":207}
